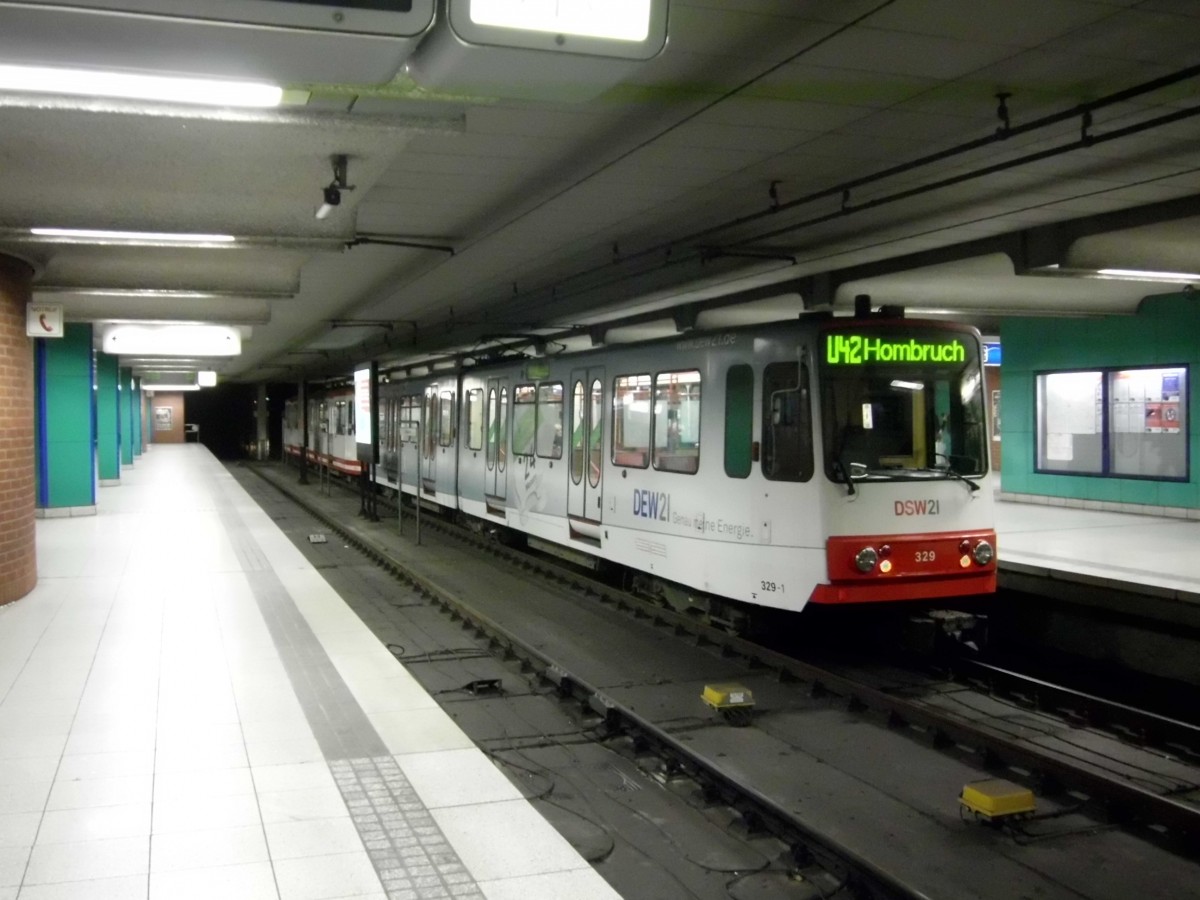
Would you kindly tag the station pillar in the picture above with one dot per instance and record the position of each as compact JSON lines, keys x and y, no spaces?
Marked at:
{"x":108,"y":422}
{"x":18,"y":559}
{"x":262,"y":436}
{"x":138,"y":412}
{"x":65,"y":423}
{"x":128,"y":411}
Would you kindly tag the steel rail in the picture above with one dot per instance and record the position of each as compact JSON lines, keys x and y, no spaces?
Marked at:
{"x":1135,"y":725}
{"x":1124,"y":801}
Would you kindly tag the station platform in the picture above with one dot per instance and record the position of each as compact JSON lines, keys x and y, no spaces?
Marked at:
{"x":189,"y":710}
{"x":1154,"y":556}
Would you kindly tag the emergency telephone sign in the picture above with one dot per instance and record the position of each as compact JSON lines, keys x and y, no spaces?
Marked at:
{"x":44,"y":320}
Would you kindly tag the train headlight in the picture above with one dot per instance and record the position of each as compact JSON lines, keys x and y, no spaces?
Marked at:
{"x":866,"y":559}
{"x":983,"y":553}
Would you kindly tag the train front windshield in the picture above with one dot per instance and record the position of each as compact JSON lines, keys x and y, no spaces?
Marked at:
{"x":902,"y":403}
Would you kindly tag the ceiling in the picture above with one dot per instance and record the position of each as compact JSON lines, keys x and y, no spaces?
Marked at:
{"x":777,"y":155}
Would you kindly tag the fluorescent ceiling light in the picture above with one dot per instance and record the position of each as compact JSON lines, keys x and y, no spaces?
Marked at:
{"x":144,"y":292}
{"x":1143,"y":275}
{"x":622,"y":20}
{"x":157,"y":388}
{"x":907,"y":385}
{"x":171,"y":340}
{"x":142,"y":237}
{"x":206,"y":378}
{"x":130,"y":86}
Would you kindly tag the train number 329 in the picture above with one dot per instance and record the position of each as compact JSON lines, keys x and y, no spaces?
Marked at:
{"x":926,"y":556}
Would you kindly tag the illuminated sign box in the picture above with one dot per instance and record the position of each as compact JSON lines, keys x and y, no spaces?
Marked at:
{"x":366,"y":406}
{"x":860,"y":350}
{"x":539,"y":49}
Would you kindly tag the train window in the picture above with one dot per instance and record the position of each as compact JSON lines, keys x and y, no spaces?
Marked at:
{"x":524,"y":419}
{"x":340,"y":416}
{"x":595,"y":420}
{"x":493,"y":428}
{"x":577,"y":432}
{"x":902,"y":403}
{"x":446,"y":425}
{"x":677,"y":422}
{"x":410,"y":413}
{"x":475,"y":419}
{"x":550,"y":420}
{"x":501,"y":449}
{"x":739,"y":421}
{"x":787,"y":451}
{"x":431,"y":421}
{"x":631,"y":421}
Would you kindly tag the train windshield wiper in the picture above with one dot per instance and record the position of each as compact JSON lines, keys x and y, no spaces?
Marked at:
{"x":951,"y":473}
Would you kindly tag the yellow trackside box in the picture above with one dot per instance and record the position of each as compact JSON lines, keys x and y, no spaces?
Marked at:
{"x":997,"y":799}
{"x":727,"y":696}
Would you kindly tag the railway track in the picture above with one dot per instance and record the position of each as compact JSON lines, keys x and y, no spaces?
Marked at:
{"x":1125,"y":783}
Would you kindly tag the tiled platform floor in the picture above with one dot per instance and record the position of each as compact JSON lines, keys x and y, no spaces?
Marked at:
{"x":1138,"y":553}
{"x":188,"y":710}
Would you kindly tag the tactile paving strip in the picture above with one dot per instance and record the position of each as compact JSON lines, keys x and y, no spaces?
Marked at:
{"x":412,"y":857}
{"x":410,"y":853}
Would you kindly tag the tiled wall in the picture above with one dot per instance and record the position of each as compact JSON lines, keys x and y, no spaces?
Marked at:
{"x":1165,"y":331}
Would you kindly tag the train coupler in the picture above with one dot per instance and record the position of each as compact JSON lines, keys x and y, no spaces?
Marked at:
{"x":937,"y":630}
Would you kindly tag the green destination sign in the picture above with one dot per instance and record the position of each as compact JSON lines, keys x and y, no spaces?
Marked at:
{"x":860,"y":350}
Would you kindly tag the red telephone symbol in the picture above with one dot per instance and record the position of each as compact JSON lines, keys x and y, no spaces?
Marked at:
{"x":42,"y":321}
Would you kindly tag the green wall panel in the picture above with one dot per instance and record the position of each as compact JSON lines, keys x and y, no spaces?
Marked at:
{"x":108,"y":432}
{"x":137,"y":417}
{"x":66,"y":456}
{"x":1165,"y":331}
{"x":126,"y":407}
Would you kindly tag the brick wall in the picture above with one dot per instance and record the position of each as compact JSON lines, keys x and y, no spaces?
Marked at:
{"x":18,"y":563}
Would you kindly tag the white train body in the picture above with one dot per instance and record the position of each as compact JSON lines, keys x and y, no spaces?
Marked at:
{"x":820,"y":460}
{"x":330,"y":440}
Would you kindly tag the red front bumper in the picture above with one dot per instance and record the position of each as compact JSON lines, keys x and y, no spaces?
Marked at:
{"x":909,"y":567}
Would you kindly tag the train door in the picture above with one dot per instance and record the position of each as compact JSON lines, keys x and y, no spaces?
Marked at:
{"x":495,"y":473}
{"x":429,"y":441}
{"x":587,"y":442}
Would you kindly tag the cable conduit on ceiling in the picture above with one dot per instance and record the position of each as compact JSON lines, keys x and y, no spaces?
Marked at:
{"x":1083,"y":111}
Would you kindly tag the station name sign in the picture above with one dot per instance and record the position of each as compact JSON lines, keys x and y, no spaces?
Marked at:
{"x":861,"y":350}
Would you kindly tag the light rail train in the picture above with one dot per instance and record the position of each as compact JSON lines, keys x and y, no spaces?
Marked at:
{"x":820,"y":460}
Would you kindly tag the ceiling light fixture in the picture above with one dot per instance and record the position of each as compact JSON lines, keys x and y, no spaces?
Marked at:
{"x":332,"y":193}
{"x":131,"y":86}
{"x":171,"y":340}
{"x":622,"y":20}
{"x":101,"y":236}
{"x":1143,"y":275}
{"x":1058,"y":271}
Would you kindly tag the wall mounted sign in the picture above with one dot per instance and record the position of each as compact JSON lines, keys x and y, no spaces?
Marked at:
{"x":44,"y":320}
